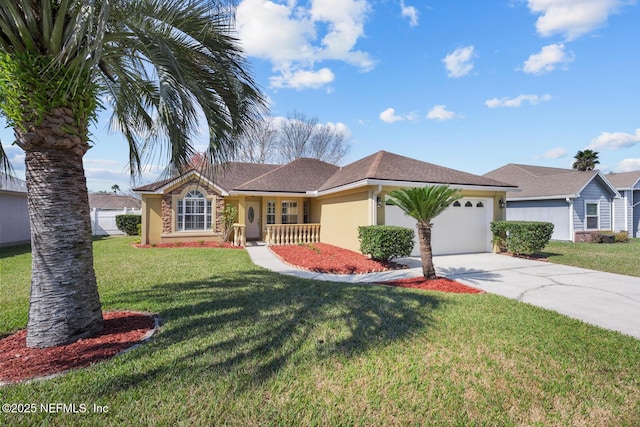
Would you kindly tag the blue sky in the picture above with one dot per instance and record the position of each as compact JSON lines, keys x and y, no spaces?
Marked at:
{"x":470,"y":85}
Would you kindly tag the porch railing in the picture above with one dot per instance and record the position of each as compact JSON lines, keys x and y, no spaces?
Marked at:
{"x":239,"y":237}
{"x":291,"y":234}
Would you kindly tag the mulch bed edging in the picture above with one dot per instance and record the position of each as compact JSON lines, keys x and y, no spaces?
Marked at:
{"x":123,"y":331}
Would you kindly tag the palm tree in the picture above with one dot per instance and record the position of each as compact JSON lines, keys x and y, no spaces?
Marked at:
{"x":586,"y":160}
{"x":424,"y":204}
{"x":158,"y":64}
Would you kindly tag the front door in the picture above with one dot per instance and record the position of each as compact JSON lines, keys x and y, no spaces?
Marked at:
{"x":252,"y":220}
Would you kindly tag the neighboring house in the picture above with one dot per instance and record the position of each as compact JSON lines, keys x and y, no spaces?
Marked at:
{"x":627,"y":207}
{"x":104,"y":209}
{"x":14,"y":213}
{"x":576,"y":202}
{"x":310,"y":200}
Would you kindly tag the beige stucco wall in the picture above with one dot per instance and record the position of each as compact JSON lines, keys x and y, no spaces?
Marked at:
{"x":340,"y":216}
{"x":151,"y":219}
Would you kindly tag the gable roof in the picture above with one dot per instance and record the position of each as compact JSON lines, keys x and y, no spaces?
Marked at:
{"x":113,"y":201}
{"x":309,"y":176}
{"x":540,"y":182}
{"x":385,"y":166}
{"x":624,"y":180}
{"x":228,"y":176}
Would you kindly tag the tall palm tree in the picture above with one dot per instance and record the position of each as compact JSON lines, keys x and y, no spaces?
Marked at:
{"x":158,"y":64}
{"x":586,"y":160}
{"x":424,"y":204}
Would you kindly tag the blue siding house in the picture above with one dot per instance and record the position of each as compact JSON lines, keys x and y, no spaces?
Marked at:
{"x":627,"y":207}
{"x":576,"y":202}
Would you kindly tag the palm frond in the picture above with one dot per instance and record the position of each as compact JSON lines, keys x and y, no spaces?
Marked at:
{"x":424,"y":203}
{"x":180,"y":65}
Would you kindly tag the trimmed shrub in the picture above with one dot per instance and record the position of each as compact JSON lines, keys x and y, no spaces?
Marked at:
{"x":383,"y":242}
{"x":128,"y":223}
{"x":622,"y":237}
{"x":522,"y":237}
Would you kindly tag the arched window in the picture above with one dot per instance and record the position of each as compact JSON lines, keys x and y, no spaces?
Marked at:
{"x":194,"y":212}
{"x":480,"y":205}
{"x":456,"y":204}
{"x":468,"y":205}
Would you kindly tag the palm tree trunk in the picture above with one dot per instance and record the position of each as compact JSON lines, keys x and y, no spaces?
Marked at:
{"x":426,"y":255}
{"x":64,"y":304}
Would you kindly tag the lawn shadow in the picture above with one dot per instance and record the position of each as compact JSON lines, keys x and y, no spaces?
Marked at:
{"x":258,"y":322}
{"x":9,"y":251}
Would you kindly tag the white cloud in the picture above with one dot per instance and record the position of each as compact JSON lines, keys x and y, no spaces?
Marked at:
{"x":547,"y":60}
{"x":572,"y":18}
{"x":440,"y":112}
{"x":459,"y":62}
{"x":517,"y":101}
{"x":302,"y":79}
{"x":409,"y":12}
{"x":615,"y":140}
{"x":555,"y":153}
{"x":628,"y":165}
{"x":295,"y":37}
{"x":389,"y":116}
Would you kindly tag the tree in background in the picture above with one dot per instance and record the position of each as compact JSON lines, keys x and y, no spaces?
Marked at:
{"x":282,"y":141}
{"x":586,"y":160}
{"x":159,"y":65}
{"x":424,"y":204}
{"x":115,"y":188}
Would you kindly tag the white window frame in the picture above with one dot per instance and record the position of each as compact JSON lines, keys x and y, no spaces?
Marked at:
{"x":271,"y":211}
{"x":289,"y":212}
{"x":201,"y":207}
{"x":587,"y":216}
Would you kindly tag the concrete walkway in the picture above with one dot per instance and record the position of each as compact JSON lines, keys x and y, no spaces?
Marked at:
{"x":611,"y":301}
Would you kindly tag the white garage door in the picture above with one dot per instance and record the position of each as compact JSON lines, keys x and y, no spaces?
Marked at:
{"x":458,"y":230}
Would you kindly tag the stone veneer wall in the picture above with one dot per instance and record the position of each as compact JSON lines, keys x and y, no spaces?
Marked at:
{"x":167,"y":211}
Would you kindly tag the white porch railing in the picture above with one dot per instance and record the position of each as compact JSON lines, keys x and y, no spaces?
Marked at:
{"x":291,"y":234}
{"x":239,"y":237}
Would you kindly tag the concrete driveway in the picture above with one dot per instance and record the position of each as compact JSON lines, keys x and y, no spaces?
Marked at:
{"x":611,"y":301}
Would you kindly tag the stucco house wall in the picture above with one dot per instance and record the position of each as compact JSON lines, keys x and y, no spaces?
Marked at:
{"x":340,"y":217}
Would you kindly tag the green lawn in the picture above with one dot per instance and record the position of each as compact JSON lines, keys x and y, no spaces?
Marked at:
{"x":619,"y":258}
{"x":245,"y":346}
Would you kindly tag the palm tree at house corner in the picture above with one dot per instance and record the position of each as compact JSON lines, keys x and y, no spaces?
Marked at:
{"x":586,"y":160}
{"x":158,"y":64}
{"x":424,"y":204}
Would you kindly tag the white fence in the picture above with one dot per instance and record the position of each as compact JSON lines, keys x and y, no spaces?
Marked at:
{"x":103,"y":221}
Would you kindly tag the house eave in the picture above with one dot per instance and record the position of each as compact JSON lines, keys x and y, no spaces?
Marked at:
{"x":269,"y":193}
{"x":554,"y":197}
{"x":408,"y":184}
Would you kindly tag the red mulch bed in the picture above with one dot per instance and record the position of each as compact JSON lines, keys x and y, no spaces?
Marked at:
{"x":440,"y":284}
{"x":323,"y":258}
{"x":224,"y":245}
{"x":122,"y":330}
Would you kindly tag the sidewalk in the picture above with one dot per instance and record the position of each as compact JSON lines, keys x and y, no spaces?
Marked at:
{"x":608,"y":300}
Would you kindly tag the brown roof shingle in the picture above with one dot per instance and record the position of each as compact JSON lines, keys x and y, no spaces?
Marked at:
{"x":542,"y":182}
{"x":387,"y":166}
{"x":624,"y":180}
{"x":298,"y":176}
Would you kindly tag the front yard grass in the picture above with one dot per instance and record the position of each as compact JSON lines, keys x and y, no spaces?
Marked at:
{"x":619,"y":258}
{"x":244,"y":346}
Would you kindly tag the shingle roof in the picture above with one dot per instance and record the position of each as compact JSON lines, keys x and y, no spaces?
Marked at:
{"x":12,"y":184}
{"x":227,"y":176}
{"x":624,"y":180}
{"x":387,"y":166}
{"x":543,"y":182}
{"x":298,"y":176}
{"x":112,"y":201}
{"x":302,"y":175}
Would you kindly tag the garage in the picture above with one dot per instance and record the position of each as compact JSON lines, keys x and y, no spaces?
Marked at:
{"x":461,"y":228}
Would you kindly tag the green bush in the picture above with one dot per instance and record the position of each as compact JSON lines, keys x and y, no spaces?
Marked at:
{"x":622,"y":237}
{"x":128,"y":223}
{"x":383,"y":242}
{"x":522,"y":237}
